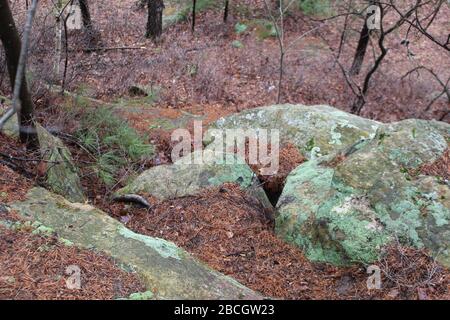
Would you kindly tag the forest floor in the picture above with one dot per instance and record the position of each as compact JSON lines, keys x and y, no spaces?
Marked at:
{"x":204,"y":74}
{"x":34,"y":265}
{"x":223,"y":227}
{"x":207,"y":70}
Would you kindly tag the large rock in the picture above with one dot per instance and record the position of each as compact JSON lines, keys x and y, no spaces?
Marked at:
{"x":345,"y":208}
{"x":167,"y":271}
{"x":11,"y":127}
{"x":185,"y":178}
{"x":317,"y":130}
{"x":62,"y":174}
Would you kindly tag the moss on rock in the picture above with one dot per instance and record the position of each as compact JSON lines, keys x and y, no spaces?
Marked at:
{"x":320,"y":128}
{"x":62,"y":174}
{"x":348,"y":212}
{"x":168,"y":271}
{"x":186,"y":178}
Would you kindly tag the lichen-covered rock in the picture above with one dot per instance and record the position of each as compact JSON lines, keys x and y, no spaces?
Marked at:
{"x":62,"y":174}
{"x":11,"y":127}
{"x":184,"y":177}
{"x":344,"y":208}
{"x":167,"y":271}
{"x":314,"y":130}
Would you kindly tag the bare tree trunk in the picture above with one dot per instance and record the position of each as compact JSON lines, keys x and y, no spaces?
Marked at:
{"x":154,"y":21}
{"x":361,"y":98}
{"x":93,"y":37}
{"x":225,"y":12}
{"x":194,"y":4}
{"x":12,"y":45}
{"x":86,"y":15}
{"x":58,"y":40}
{"x":360,"y":50}
{"x":280,"y":75}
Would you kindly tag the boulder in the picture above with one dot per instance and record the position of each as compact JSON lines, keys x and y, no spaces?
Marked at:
{"x":345,"y":207}
{"x":314,"y":130}
{"x":167,"y":271}
{"x":184,"y":178}
{"x":11,"y":127}
{"x":62,"y":174}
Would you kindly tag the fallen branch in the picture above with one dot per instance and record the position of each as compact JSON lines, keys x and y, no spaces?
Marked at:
{"x":18,"y":169}
{"x":113,"y":48}
{"x":132,"y":198}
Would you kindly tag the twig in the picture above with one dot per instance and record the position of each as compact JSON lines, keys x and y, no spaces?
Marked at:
{"x":114,"y":48}
{"x":18,"y":169}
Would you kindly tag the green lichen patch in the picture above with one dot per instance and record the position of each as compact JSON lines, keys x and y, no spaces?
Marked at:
{"x":147,"y":295}
{"x":62,"y":174}
{"x":165,"y":248}
{"x":348,"y":212}
{"x":161,"y":265}
{"x":185,"y":177}
{"x":321,"y":128}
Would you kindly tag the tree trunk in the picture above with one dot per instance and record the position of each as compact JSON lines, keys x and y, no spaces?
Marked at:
{"x":58,"y":40}
{"x":360,"y":50}
{"x":12,"y":45}
{"x":93,"y":37}
{"x":86,"y":15}
{"x":194,"y":4}
{"x":154,"y":21}
{"x":225,"y":12}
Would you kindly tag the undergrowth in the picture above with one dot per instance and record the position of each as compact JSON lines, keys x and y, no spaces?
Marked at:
{"x":315,"y":7}
{"x":200,"y":5}
{"x":112,"y":142}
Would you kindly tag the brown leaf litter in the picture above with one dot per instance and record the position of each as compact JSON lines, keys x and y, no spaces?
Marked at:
{"x":34,"y":267}
{"x":225,"y":228}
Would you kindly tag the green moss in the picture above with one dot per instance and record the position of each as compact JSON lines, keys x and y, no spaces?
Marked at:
{"x":160,"y":264}
{"x":310,"y":144}
{"x":62,"y":175}
{"x":240,"y":174}
{"x":349,"y":213}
